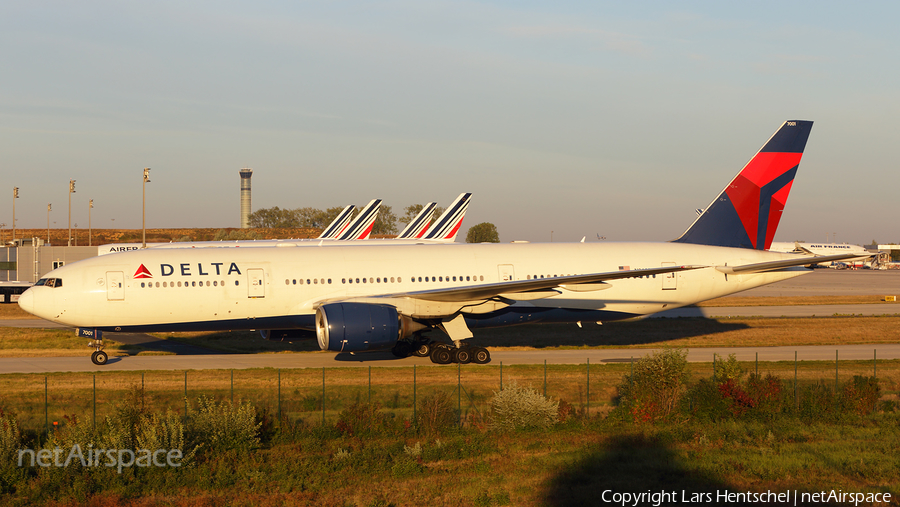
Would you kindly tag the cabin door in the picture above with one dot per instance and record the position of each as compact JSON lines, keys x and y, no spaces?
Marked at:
{"x":669,"y":280}
{"x":256,"y":278}
{"x":115,"y":286}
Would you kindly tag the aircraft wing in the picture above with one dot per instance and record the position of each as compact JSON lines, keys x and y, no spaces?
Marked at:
{"x":528,"y":289}
{"x":789,"y":263}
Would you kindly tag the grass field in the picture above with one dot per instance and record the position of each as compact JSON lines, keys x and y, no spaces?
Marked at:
{"x":305,"y":460}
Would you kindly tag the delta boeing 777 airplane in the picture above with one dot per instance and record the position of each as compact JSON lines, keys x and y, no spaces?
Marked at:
{"x":371,"y":298}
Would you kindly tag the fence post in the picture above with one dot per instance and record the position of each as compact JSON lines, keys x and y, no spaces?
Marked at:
{"x":414,"y":393}
{"x":587,"y":412}
{"x":323,"y":396}
{"x":279,"y":393}
{"x":501,"y":375}
{"x":46,"y":408}
{"x":875,"y":363}
{"x":185,"y":393}
{"x":370,"y":385}
{"x":796,"y":387}
{"x":232,"y":386}
{"x":142,"y":391}
{"x":458,"y":395}
{"x":545,"y":378}
{"x":631,"y":376}
{"x":835,"y":374}
{"x":95,"y":398}
{"x":757,"y":363}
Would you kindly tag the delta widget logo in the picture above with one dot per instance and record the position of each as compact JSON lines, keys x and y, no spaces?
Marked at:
{"x":142,"y":272}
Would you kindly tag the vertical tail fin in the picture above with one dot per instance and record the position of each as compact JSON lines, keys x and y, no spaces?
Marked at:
{"x":747,"y":212}
{"x":361,"y":228}
{"x":446,"y":227}
{"x":337,"y":226}
{"x":416,"y":227}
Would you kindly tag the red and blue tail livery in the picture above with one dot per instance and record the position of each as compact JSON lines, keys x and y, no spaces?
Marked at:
{"x":747,"y":212}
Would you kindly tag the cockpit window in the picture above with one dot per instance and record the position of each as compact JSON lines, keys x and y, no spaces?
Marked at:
{"x":49,"y":282}
{"x":42,"y":281}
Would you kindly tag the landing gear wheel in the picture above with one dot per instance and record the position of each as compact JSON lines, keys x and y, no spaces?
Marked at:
{"x":463,"y":355}
{"x":402,"y":349}
{"x":99,"y":358}
{"x":422,"y":349}
{"x":441,"y":355}
{"x":480,"y":355}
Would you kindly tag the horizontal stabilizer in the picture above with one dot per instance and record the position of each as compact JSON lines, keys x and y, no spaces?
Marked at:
{"x":762,"y":267}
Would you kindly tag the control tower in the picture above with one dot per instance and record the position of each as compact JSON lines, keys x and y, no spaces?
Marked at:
{"x":246,"y":173}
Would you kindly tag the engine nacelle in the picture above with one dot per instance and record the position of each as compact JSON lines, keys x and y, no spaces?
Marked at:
{"x":357,"y":327}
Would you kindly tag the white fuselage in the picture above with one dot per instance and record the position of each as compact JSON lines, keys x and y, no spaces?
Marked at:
{"x":280,"y":288}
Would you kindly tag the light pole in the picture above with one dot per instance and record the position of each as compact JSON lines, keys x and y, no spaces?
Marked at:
{"x":144,"y":209}
{"x":48,"y":224}
{"x":15,"y":196}
{"x":90,"y":231}
{"x":71,"y":191}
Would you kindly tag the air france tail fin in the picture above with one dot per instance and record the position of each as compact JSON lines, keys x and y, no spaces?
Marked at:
{"x":339,"y":224}
{"x":446,"y":227}
{"x":416,"y":227}
{"x":747,"y":212}
{"x":361,"y":227}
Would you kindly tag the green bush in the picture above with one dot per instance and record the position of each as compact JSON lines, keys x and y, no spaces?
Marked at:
{"x":704,"y":401}
{"x":654,"y":389}
{"x":728,"y":369}
{"x":163,"y":432}
{"x":223,"y":425}
{"x":10,"y":443}
{"x":517,"y":407}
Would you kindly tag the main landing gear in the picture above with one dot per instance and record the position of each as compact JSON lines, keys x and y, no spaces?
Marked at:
{"x":442,"y":353}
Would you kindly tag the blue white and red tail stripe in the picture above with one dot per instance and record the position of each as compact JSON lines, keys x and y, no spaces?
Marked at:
{"x":747,"y":212}
{"x":361,"y":228}
{"x":446,"y":227}
{"x":415,"y":229}
{"x":339,"y":224}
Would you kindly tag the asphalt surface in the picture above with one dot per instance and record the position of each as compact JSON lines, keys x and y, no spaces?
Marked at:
{"x":331,"y":360}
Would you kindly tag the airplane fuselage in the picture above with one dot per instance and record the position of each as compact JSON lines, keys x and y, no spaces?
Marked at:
{"x":280,"y":288}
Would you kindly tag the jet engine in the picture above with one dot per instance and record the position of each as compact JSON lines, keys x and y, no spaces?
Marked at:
{"x":361,"y":327}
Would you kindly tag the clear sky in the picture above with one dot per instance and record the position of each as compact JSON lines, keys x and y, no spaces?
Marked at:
{"x":581,"y":118}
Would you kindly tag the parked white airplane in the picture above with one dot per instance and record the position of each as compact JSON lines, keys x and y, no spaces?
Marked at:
{"x":443,"y":230}
{"x":360,"y":298}
{"x":863,"y":255}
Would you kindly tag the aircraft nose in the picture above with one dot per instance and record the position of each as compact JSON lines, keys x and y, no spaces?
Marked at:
{"x":26,"y":301}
